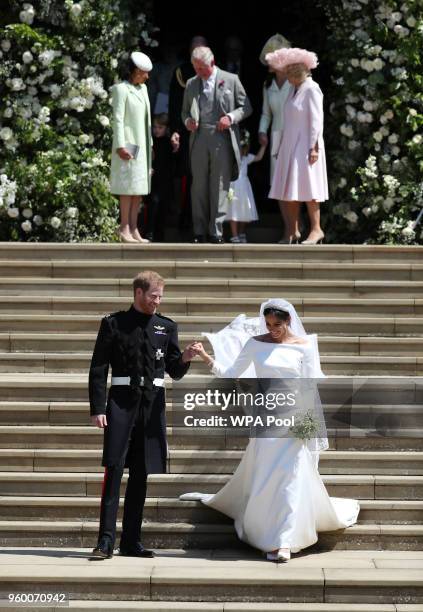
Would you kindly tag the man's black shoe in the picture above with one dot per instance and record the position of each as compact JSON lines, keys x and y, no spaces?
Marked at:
{"x":104,"y":549}
{"x":216,"y":240}
{"x":198,"y":239}
{"x":136,"y":550}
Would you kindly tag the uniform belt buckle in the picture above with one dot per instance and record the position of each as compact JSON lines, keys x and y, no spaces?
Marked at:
{"x":136,"y":381}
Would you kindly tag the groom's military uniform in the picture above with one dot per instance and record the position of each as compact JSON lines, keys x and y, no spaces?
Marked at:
{"x":140,"y":348}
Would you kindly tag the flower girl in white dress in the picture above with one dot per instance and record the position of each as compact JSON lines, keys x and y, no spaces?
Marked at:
{"x":276,"y":496}
{"x":241,"y":204}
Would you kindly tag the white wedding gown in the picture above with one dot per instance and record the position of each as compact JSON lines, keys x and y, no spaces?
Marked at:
{"x":276,"y":496}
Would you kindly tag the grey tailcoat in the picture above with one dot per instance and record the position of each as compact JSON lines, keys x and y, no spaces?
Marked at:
{"x":231,"y":98}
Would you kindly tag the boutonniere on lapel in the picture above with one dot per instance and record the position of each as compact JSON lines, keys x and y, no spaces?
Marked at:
{"x":221,"y":84}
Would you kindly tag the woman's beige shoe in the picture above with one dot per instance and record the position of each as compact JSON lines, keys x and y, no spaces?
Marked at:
{"x":317,"y":240}
{"x":138,"y":238}
{"x":128,"y":239}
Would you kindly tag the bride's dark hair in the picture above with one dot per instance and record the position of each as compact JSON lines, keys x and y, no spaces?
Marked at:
{"x":283,"y":315}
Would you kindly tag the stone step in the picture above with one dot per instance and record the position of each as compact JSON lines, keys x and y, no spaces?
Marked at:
{"x":198,"y":306}
{"x":186,"y":535}
{"x":393,"y":416}
{"x":179,"y":251}
{"x":88,"y":437}
{"x":170,"y":606}
{"x":206,"y":606}
{"x":211,"y":461}
{"x":190,"y":580}
{"x":363,"y":486}
{"x":344,"y":365}
{"x":364,"y":326}
{"x":53,"y":387}
{"x":279,"y":268}
{"x":60,"y":508}
{"x":228,"y":287}
{"x":50,"y":342}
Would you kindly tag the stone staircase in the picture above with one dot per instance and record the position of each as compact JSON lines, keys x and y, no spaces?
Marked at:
{"x":366,"y":304}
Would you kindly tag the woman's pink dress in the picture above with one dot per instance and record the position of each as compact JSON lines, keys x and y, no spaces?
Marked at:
{"x":294,"y":179}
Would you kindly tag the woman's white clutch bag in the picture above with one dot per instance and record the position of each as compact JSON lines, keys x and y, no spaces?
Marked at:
{"x":133,"y":149}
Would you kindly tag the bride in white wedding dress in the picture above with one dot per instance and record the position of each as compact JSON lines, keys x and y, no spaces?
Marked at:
{"x":276,"y":496}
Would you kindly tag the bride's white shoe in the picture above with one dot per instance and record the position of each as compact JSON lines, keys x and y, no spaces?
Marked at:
{"x":280,"y":556}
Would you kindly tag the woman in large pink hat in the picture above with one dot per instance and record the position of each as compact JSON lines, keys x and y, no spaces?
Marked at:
{"x":300,"y":172}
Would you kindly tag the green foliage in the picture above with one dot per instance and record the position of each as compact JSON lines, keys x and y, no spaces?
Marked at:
{"x":58,"y":61}
{"x":375,"y":123}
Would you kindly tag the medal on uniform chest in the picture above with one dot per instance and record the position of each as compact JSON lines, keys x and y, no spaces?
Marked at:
{"x":159,"y":354}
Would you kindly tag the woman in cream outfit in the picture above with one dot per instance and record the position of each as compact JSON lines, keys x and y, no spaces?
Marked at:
{"x":300,"y":171}
{"x":274,"y":98}
{"x":130,"y":174}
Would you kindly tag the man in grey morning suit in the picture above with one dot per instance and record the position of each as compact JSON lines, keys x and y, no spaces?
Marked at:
{"x":214,"y":104}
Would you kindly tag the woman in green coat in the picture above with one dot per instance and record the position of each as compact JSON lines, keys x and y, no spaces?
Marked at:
{"x":130,"y":175}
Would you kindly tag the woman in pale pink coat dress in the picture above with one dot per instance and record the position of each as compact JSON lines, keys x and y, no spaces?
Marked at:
{"x":300,"y":172}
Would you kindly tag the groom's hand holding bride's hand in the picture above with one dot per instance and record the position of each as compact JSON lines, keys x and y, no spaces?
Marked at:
{"x":190,"y":352}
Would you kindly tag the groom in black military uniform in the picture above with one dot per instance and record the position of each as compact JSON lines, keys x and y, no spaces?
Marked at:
{"x":140,"y":345}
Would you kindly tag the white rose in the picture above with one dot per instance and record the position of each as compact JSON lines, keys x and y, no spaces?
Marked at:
{"x":5,"y":45}
{"x":378,"y":63}
{"x":366,"y":211}
{"x":368,"y":106}
{"x":16,"y":84}
{"x":104,"y":120}
{"x":401,"y":31}
{"x":84,"y":139}
{"x":38,"y":220}
{"x":27,"y":213}
{"x":396,"y":16}
{"x":378,"y":136}
{"x":8,"y":112}
{"x":395,"y":150}
{"x":384,"y":131}
{"x":6,"y":133}
{"x":351,"y":216}
{"x":76,"y":10}
{"x":388,"y":204}
{"x":46,"y":57}
{"x":27,"y":57}
{"x":417,"y":139}
{"x":26,"y":226}
{"x":377,"y":147}
{"x":27,"y":16}
{"x":55,"y":222}
{"x":393,"y":139}
{"x":389,"y":114}
{"x":342,"y":183}
{"x":13,"y":212}
{"x":408,"y":232}
{"x":355,"y":63}
{"x":72,"y":212}
{"x":411,"y":22}
{"x":412,"y":112}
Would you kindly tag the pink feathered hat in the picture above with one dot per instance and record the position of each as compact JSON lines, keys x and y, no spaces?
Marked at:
{"x":281,"y":58}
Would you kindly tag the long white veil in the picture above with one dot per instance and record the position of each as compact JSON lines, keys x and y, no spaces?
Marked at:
{"x":229,"y":341}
